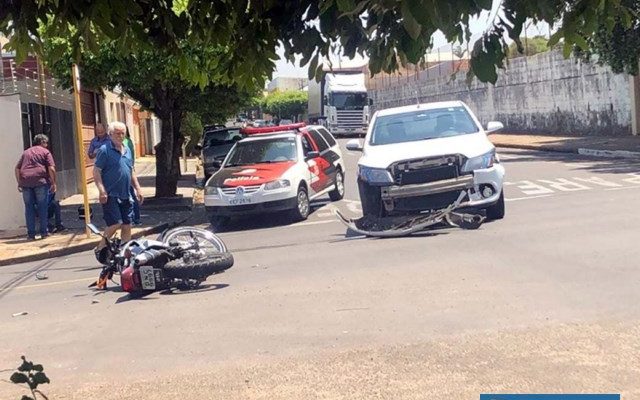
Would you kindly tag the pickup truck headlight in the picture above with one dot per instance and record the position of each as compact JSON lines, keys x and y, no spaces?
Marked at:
{"x":279,"y":184}
{"x":374,"y":176}
{"x":210,"y":190}
{"x":481,"y":162}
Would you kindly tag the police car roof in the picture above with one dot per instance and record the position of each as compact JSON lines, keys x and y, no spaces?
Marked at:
{"x":271,"y":129}
{"x":268,"y":136}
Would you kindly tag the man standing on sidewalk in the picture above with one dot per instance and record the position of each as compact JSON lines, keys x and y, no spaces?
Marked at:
{"x":36,"y":176}
{"x":113,"y":175}
{"x":98,"y":141}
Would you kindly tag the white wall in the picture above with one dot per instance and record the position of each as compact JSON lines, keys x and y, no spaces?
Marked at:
{"x":12,"y":210}
{"x":543,"y":93}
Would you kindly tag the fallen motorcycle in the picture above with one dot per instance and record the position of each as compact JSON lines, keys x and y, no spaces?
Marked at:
{"x":182,"y":257}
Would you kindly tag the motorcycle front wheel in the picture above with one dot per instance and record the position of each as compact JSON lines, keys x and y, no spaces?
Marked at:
{"x":188,"y":235}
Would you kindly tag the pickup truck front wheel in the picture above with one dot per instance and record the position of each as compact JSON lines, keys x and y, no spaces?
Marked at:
{"x":496,"y":211}
{"x":370,"y":199}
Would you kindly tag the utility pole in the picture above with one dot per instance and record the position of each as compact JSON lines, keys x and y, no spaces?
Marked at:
{"x":80,"y":142}
{"x":43,"y":96}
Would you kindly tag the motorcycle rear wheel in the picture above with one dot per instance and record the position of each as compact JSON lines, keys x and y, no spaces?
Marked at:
{"x":198,"y":269}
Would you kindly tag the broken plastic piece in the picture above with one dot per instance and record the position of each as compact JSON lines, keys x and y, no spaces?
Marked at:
{"x":406,"y":225}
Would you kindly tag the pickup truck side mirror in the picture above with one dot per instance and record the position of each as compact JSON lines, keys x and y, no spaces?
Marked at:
{"x":494,"y":126}
{"x":217,"y":163}
{"x":312,"y":154}
{"x":370,"y":102}
{"x":354,"y":145}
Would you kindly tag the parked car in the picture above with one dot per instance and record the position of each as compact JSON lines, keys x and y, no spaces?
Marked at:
{"x":279,"y":168}
{"x":285,"y":122}
{"x":420,"y":157}
{"x":258,"y":123}
{"x":213,"y":127}
{"x":216,"y":145}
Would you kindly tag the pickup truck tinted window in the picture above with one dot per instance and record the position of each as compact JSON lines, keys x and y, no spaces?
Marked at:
{"x":422,"y":125}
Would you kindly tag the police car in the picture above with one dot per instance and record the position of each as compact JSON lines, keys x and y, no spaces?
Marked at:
{"x":278,"y":168}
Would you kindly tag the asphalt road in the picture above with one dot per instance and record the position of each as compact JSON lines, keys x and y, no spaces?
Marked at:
{"x":545,"y":300}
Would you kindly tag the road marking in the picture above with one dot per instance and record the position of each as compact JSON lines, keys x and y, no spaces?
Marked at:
{"x":528,"y":197}
{"x":623,"y":188}
{"x":532,"y":189}
{"x":564,"y":185}
{"x":634,"y":180}
{"x":315,"y":222}
{"x":49,"y":284}
{"x":598,"y":181}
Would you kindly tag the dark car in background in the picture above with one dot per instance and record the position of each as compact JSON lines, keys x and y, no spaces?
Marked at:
{"x":215,"y":146}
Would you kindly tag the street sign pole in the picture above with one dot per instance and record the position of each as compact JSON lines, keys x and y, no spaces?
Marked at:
{"x":79,"y":140}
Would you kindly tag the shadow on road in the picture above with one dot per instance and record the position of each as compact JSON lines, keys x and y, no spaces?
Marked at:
{"x":264,"y":221}
{"x":202,"y":288}
{"x":11,"y":284}
{"x":596,"y":164}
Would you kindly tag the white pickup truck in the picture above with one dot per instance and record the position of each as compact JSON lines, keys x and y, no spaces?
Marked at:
{"x":422,"y":157}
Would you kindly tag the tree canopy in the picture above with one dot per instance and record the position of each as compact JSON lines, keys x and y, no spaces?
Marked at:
{"x":530,"y":46}
{"x":153,"y":77}
{"x":289,"y":104}
{"x":388,"y":32}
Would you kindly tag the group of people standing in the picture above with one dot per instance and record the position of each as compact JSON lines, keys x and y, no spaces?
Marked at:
{"x":119,"y":190}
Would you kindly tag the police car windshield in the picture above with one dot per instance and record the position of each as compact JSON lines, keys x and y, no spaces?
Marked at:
{"x":263,"y":151}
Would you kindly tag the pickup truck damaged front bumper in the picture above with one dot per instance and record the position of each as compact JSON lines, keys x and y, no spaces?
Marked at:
{"x":406,"y":225}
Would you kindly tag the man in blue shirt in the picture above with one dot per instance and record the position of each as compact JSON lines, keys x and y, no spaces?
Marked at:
{"x":98,"y":141}
{"x":113,"y":175}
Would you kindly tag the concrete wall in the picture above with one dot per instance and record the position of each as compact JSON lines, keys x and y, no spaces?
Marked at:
{"x":12,"y":211}
{"x":284,"y":84}
{"x":540,"y":94}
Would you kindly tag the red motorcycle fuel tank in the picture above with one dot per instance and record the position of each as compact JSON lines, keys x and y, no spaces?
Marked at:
{"x":128,"y":280}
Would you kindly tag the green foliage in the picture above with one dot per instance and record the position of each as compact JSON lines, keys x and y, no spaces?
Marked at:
{"x":528,"y":46}
{"x":289,"y":104}
{"x":389,"y":32}
{"x":162,"y":81}
{"x":619,"y":46}
{"x":32,"y":375}
{"x":191,"y":127}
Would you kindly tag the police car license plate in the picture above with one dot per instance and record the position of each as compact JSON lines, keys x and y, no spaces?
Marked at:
{"x":240,"y":200}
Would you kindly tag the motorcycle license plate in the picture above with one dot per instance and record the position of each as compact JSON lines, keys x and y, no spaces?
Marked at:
{"x":147,"y":278}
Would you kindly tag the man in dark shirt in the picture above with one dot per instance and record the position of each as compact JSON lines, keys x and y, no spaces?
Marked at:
{"x":36,"y":176}
{"x":113,"y":175}
{"x":98,"y":141}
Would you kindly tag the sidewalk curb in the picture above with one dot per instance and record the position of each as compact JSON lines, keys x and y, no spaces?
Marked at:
{"x":84,"y":246}
{"x":582,"y":151}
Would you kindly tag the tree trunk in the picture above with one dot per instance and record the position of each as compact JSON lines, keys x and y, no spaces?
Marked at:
{"x":167,"y":158}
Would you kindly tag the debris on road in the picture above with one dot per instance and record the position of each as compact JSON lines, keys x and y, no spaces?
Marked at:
{"x":19,"y":314}
{"x":41,"y":276}
{"x":94,"y":301}
{"x":407,"y":224}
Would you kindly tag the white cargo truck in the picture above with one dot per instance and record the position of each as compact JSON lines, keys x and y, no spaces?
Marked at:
{"x":339,"y":102}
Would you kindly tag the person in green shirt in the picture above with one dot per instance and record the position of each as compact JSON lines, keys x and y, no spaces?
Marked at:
{"x":135,"y":217}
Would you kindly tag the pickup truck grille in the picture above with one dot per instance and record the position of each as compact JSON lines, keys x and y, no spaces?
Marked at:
{"x":413,"y":172}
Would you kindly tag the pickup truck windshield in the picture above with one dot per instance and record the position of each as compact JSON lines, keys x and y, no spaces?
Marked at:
{"x":422,"y":125}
